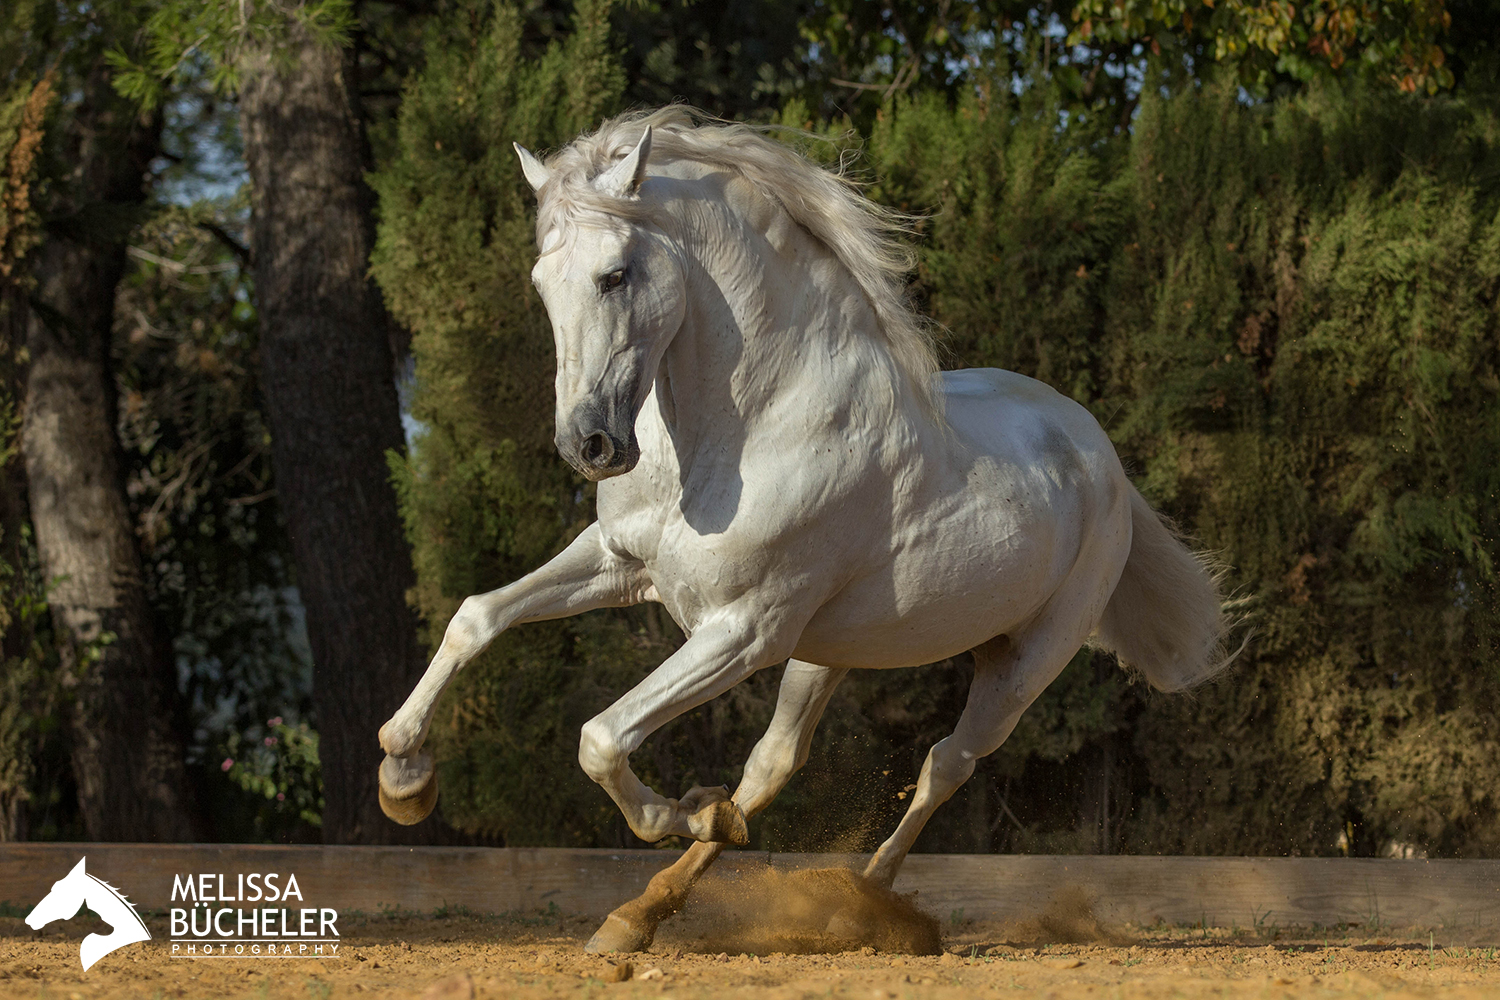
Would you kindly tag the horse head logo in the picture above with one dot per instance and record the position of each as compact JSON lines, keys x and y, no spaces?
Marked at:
{"x":78,"y":888}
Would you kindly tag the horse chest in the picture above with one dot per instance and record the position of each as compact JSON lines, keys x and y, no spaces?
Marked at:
{"x":691,"y":572}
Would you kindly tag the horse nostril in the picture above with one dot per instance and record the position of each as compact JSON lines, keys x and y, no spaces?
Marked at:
{"x":597,"y":449}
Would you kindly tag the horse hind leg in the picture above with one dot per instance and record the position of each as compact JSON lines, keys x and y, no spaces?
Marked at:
{"x":1009,"y":674}
{"x":805,"y":690}
{"x":632,"y":926}
{"x":1010,"y":671}
{"x":781,"y":752}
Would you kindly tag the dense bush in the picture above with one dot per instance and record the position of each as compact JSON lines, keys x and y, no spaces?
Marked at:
{"x":1285,"y":315}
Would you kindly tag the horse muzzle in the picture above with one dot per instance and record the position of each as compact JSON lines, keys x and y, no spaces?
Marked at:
{"x":597,"y":450}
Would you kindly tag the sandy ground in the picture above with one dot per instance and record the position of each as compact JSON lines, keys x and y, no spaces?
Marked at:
{"x":711,"y":952}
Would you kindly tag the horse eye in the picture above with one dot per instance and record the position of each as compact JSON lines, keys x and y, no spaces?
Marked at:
{"x":612,"y":280}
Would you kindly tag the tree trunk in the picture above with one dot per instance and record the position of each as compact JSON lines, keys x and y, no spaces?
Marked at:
{"x":127,"y":747}
{"x":329,"y":383}
{"x":16,"y":666}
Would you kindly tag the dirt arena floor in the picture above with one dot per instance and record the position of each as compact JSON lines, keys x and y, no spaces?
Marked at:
{"x":765,"y":947}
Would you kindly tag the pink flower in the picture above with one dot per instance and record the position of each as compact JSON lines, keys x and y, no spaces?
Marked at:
{"x":228,"y":763}
{"x":271,"y":741}
{"x":281,"y":796}
{"x":274,"y":722}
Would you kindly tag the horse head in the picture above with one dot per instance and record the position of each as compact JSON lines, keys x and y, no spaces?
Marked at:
{"x":614,"y":288}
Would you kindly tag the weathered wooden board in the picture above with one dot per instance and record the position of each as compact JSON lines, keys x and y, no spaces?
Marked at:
{"x":1216,"y":891}
{"x":349,"y":878}
{"x":1221,"y":892}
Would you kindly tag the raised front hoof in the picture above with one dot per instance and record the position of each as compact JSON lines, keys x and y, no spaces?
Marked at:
{"x":408,"y":788}
{"x":621,"y":935}
{"x":720,"y":823}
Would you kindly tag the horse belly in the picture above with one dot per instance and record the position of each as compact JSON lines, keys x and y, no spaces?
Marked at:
{"x":922,"y":635}
{"x":936,"y":602}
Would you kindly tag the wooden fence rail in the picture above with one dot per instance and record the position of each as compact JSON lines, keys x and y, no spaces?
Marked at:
{"x":1143,"y":890}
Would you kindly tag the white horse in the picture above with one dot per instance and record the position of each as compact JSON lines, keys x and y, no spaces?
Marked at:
{"x":72,"y":892}
{"x":782,"y":467}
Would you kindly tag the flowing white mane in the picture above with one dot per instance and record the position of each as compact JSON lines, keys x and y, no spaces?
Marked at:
{"x":867,"y":238}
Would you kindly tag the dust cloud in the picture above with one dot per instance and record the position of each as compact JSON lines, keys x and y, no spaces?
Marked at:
{"x":761,"y":910}
{"x":1068,"y":919}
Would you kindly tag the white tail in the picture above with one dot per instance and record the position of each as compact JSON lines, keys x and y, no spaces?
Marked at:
{"x":1166,"y":617}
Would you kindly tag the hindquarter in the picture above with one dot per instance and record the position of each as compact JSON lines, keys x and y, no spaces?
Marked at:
{"x":1023,"y":497}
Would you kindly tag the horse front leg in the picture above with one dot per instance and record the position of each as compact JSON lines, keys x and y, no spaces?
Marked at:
{"x":805,"y":690}
{"x":582,"y":577}
{"x":733,"y":644}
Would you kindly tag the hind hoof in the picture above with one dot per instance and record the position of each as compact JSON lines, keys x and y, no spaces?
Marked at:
{"x":408,"y":788}
{"x":720,"y":823}
{"x":618,"y":934}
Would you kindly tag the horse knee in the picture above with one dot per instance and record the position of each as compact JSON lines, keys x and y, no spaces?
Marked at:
{"x":598,"y":752}
{"x":468,"y":626}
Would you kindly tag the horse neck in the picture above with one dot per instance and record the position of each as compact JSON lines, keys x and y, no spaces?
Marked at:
{"x":774,"y":320}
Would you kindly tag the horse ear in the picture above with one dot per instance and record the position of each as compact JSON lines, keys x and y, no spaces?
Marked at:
{"x":623,"y":179}
{"x":78,"y":868}
{"x":536,"y":173}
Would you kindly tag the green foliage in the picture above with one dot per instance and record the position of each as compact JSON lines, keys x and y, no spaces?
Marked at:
{"x":1339,"y":451}
{"x":1285,"y":317}
{"x":279,"y":764}
{"x":183,"y":38}
{"x":1398,"y":42}
{"x":1023,"y":222}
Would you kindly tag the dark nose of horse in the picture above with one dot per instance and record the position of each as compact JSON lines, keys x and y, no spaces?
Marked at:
{"x":587,"y":443}
{"x":597,"y":450}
